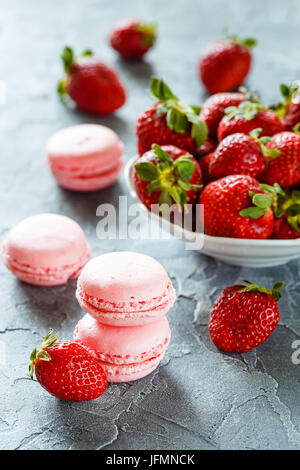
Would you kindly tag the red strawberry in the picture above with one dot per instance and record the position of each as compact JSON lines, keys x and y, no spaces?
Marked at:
{"x":244,"y":316}
{"x":167,"y":175}
{"x":204,"y":164}
{"x":284,"y":169}
{"x":169,"y":122}
{"x":287,"y":211}
{"x":209,"y":146}
{"x":92,"y":85}
{"x":224,"y":65}
{"x":214,"y":107}
{"x":241,"y":154}
{"x":236,"y":206}
{"x":67,"y":370}
{"x":289,"y":110}
{"x":247,"y":117}
{"x":284,"y":231}
{"x":133,"y":38}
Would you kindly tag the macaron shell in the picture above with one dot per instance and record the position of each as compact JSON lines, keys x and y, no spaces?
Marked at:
{"x":46,"y":278}
{"x":124,"y":277}
{"x":87,"y":183}
{"x":123,"y":345}
{"x":130,"y":372}
{"x":79,"y":155}
{"x":147,"y":312}
{"x":45,"y":249}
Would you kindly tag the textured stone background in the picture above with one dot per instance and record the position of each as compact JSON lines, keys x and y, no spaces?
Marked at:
{"x":198,"y":398}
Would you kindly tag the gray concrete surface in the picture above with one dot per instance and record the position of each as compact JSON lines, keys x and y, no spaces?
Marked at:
{"x":198,"y":398}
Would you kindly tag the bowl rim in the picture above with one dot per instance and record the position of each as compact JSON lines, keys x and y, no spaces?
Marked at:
{"x":224,"y":240}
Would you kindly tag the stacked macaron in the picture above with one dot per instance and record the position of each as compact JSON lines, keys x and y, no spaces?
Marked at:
{"x":127,"y":296}
{"x":86,"y":157}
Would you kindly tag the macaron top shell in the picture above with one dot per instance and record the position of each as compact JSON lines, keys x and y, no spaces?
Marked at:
{"x":124,"y":277}
{"x":124,"y":345}
{"x":46,"y":241}
{"x":84,"y":144}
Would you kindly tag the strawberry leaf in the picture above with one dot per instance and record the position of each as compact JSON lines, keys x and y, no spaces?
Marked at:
{"x":68,"y":58}
{"x":147,"y":171}
{"x":161,"y":90}
{"x":263,"y":201}
{"x":252,"y":212}
{"x":185,"y":169}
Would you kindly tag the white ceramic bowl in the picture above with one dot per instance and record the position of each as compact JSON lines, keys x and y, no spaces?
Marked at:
{"x":237,"y":251}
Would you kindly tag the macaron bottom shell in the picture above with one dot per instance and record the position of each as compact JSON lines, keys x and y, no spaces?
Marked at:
{"x":90,"y":181}
{"x":125,"y":354}
{"x":44,"y":277}
{"x":130,"y":372}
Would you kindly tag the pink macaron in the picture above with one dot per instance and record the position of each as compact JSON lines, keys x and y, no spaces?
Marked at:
{"x":86,"y":157}
{"x":124,"y":353}
{"x":46,"y":249}
{"x":125,"y":289}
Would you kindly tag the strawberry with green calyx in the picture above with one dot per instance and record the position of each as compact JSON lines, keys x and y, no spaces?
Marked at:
{"x":67,"y":370}
{"x":249,"y":116}
{"x":42,"y":354}
{"x":241,"y":154}
{"x":167,"y":175}
{"x":244,"y":316}
{"x":132,"y":39}
{"x":289,"y":110}
{"x":235,"y":206}
{"x":225,"y":64}
{"x":262,"y":202}
{"x":285,"y":169}
{"x":92,"y":85}
{"x":287,"y":225}
{"x":213,"y":109}
{"x":169,"y":122}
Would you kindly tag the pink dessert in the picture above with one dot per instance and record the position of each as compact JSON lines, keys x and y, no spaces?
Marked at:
{"x":125,"y":354}
{"x":125,"y":289}
{"x":86,"y":157}
{"x":46,"y":249}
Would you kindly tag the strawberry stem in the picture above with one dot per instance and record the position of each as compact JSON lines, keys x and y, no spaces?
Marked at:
{"x":248,"y":286}
{"x":148,"y":31}
{"x":42,"y":354}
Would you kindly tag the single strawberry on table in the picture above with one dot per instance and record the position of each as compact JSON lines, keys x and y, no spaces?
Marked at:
{"x":92,"y":85}
{"x":169,"y":122}
{"x":284,"y":169}
{"x":66,"y":370}
{"x":244,"y":316}
{"x":225,"y":64}
{"x":249,"y":116}
{"x":235,"y":206}
{"x":133,"y":38}
{"x":241,"y":154}
{"x":167,"y":175}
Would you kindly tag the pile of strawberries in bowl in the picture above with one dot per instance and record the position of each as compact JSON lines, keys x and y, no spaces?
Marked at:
{"x":235,"y":156}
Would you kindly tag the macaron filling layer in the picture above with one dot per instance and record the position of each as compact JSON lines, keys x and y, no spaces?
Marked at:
{"x":45,"y":275}
{"x":130,"y":310}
